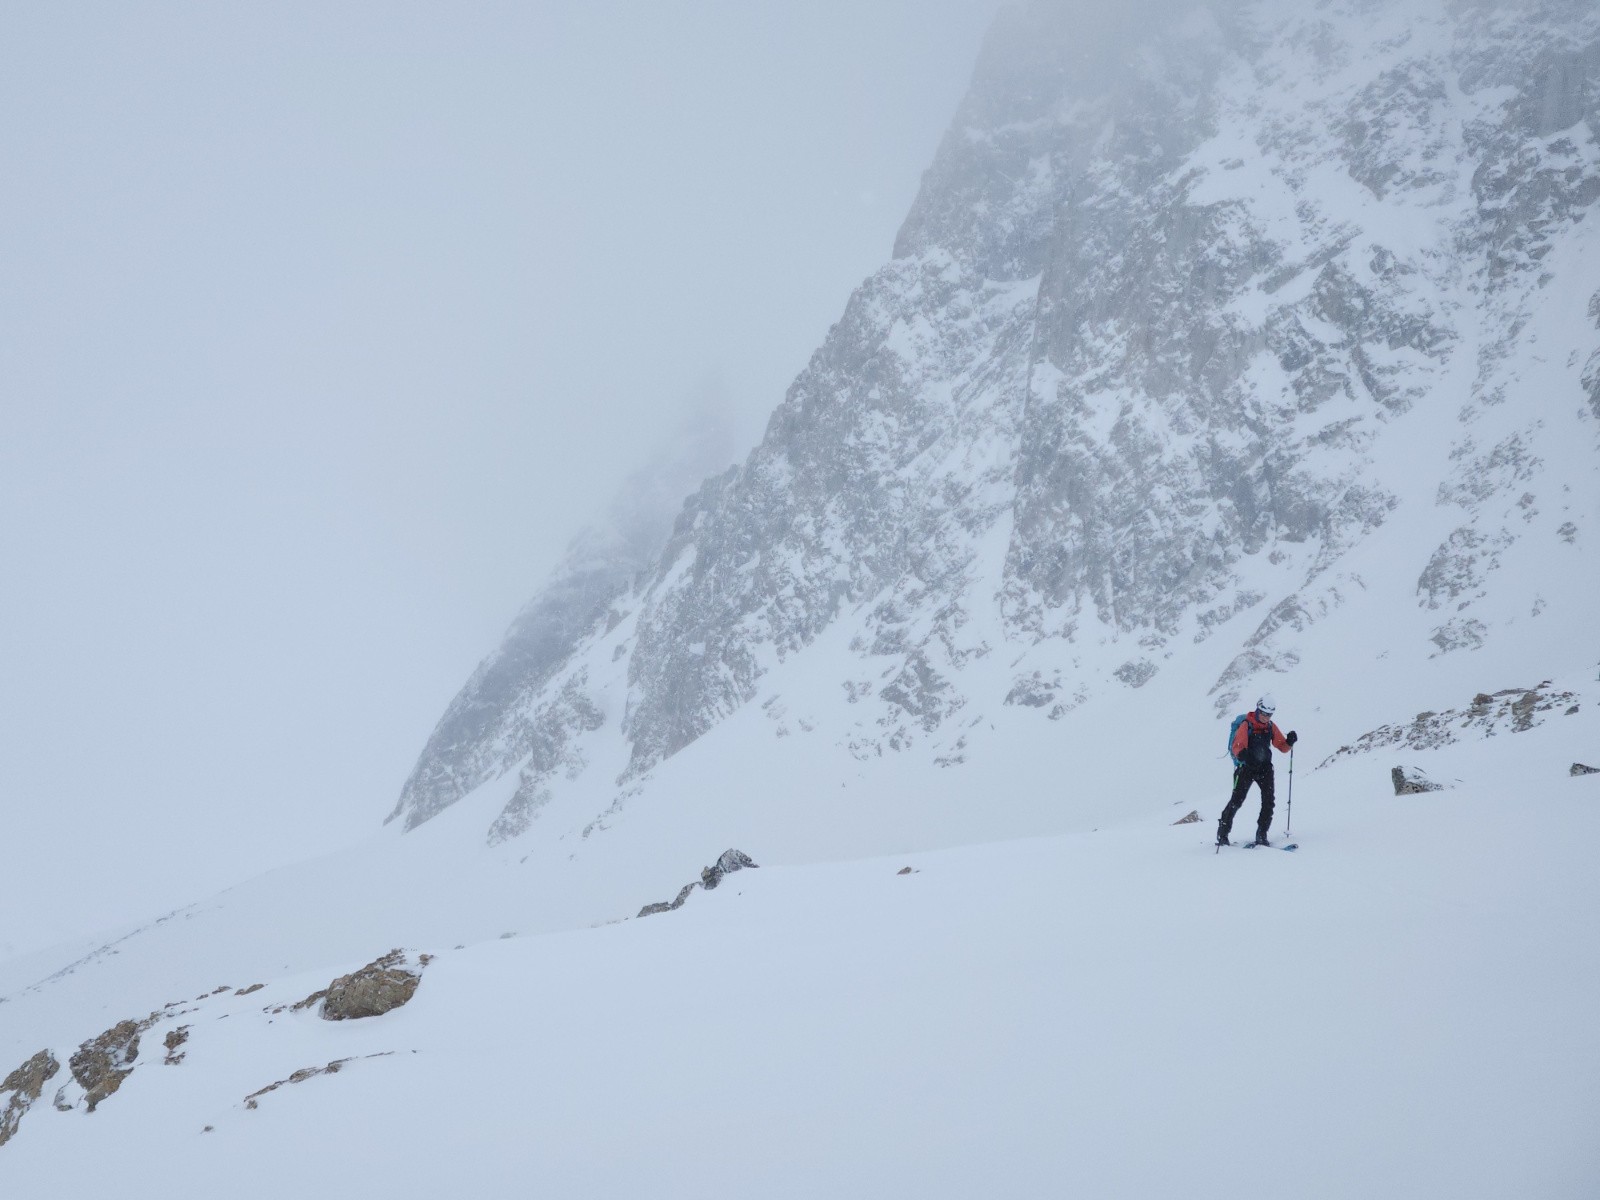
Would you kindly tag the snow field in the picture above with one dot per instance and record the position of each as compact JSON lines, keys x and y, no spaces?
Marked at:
{"x":1401,"y":1008}
{"x":1068,"y":995}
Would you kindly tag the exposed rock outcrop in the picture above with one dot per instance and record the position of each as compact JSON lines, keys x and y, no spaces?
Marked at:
{"x":661,"y":906}
{"x":1581,"y":769}
{"x":729,"y":862}
{"x":26,"y":1085}
{"x":381,"y":986}
{"x":101,"y":1064}
{"x":175,"y":1041}
{"x":253,"y":1100}
{"x":1510,"y":710}
{"x":502,"y":715}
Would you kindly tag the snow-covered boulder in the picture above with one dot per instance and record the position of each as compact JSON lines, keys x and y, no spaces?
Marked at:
{"x":1409,"y":781}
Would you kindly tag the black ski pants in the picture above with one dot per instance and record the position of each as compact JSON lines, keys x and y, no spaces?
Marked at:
{"x":1242,"y":779}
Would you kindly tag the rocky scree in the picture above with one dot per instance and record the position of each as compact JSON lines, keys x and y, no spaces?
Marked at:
{"x":1510,"y":710}
{"x":253,"y":1100}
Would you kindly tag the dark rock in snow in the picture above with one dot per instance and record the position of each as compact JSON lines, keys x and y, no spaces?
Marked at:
{"x":1033,"y":691}
{"x":101,"y":1064}
{"x":1191,"y":819}
{"x":379,"y":987}
{"x":175,"y":1041}
{"x":1581,"y":769}
{"x":25,"y":1084}
{"x":253,"y":1100}
{"x":729,"y":862}
{"x":1137,"y":673}
{"x":661,"y":906}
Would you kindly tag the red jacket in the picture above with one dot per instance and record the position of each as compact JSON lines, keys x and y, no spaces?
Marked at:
{"x":1241,"y":737}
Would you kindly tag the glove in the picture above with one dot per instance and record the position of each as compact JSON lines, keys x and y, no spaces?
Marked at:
{"x":1292,"y":738}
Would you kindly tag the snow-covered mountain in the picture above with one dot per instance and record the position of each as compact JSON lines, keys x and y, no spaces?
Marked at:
{"x":1255,"y":351}
{"x":598,"y":569}
{"x":1288,"y":315}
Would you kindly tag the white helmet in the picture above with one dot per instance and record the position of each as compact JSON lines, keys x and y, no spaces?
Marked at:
{"x":1266,"y":706}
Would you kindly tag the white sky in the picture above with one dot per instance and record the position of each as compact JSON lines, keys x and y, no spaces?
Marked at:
{"x":324,"y":326}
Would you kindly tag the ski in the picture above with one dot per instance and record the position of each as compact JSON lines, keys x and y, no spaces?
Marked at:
{"x":1253,"y":845}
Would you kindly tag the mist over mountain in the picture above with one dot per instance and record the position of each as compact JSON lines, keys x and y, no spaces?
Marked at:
{"x":1207,"y":320}
{"x":598,"y":566}
{"x":840,"y":821}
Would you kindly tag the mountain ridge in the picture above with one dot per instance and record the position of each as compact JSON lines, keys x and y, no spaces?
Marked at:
{"x":1276,"y":373}
{"x":1159,"y":339}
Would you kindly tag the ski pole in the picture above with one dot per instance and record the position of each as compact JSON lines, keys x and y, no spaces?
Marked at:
{"x":1288,"y":821}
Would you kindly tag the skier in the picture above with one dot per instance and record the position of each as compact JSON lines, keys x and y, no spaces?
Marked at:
{"x":1253,"y":739}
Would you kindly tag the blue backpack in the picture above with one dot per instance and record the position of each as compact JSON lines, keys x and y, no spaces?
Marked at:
{"x":1232,"y":730}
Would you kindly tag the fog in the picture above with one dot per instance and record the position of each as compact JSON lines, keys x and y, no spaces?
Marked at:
{"x":325,"y":327}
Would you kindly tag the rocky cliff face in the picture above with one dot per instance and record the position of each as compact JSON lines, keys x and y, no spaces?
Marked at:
{"x":494,"y":719}
{"x":1180,"y":322}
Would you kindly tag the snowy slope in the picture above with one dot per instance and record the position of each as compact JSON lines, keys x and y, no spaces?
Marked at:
{"x":1261,"y":352}
{"x":1400,"y":1008}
